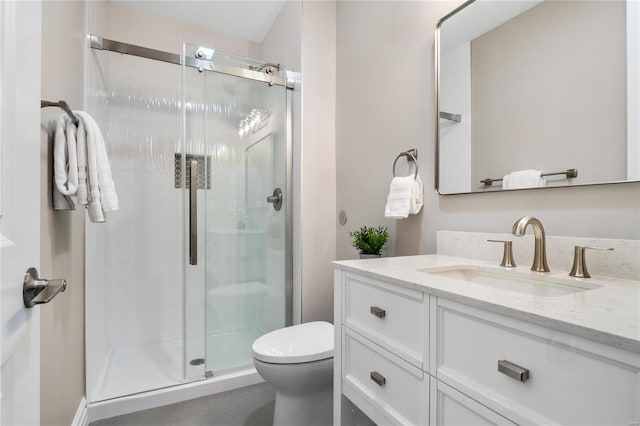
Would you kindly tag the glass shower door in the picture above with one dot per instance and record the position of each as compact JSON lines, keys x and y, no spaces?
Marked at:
{"x":236,"y":129}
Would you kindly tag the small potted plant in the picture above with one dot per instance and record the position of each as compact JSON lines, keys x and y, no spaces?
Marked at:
{"x":370,"y":241}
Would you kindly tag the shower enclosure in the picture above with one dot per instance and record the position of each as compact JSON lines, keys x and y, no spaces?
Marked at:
{"x":197,"y":263}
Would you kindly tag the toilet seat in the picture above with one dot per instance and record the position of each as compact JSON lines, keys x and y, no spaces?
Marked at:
{"x":312,"y":341}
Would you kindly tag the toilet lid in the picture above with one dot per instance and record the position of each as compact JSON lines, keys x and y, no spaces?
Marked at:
{"x":306,"y":342}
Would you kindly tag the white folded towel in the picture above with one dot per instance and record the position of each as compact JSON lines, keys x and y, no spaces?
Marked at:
{"x":81,"y":143}
{"x":417,"y":196}
{"x":102,"y":197}
{"x":81,"y":168}
{"x":406,"y":195}
{"x":523,"y":179}
{"x":65,"y":164}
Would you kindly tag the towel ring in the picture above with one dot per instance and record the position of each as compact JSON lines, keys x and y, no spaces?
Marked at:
{"x":405,"y":154}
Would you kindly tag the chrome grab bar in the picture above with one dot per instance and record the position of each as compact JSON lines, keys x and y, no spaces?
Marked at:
{"x":193,"y":213}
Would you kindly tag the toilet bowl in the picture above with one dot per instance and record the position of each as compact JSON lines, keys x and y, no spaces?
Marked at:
{"x":298,"y":362}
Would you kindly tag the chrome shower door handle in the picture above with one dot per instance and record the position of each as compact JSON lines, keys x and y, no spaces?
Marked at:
{"x":193,"y":213}
{"x":276,"y":199}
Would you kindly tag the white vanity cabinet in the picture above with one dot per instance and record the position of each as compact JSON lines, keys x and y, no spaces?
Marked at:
{"x":405,"y":356}
{"x":381,"y":345}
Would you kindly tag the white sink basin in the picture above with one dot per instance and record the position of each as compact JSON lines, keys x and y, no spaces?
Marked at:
{"x":512,"y":280}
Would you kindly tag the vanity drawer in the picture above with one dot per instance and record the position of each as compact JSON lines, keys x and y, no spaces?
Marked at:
{"x":450,"y":407}
{"x":392,"y":316}
{"x":386,"y":388}
{"x":571,"y":380}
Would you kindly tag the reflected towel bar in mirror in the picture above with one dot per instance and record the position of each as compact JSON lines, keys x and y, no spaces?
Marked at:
{"x":569,"y":173}
{"x":451,"y":117}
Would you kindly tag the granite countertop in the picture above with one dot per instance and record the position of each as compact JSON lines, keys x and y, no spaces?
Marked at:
{"x":608,"y":313}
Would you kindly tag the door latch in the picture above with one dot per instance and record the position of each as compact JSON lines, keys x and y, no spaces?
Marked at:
{"x":36,"y":290}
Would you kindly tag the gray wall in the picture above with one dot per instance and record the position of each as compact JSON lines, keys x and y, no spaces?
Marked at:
{"x":62,"y":233}
{"x":385,"y":104}
{"x":549,"y":92}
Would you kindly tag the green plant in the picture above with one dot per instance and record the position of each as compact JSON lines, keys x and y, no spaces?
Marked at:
{"x":370,"y":240}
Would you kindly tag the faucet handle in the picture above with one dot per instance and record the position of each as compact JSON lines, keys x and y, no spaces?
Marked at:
{"x":579,"y":268}
{"x":507,"y":254}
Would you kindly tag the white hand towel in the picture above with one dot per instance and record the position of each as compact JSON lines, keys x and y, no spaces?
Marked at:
{"x":102,"y":196}
{"x":107,"y":185}
{"x":399,"y":199}
{"x":81,"y":144}
{"x":65,"y":171}
{"x":523,"y":179}
{"x":417,"y":196}
{"x":94,"y":207}
{"x":65,"y":161}
{"x":406,"y":195}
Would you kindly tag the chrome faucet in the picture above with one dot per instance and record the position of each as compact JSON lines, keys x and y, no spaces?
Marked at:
{"x":540,"y":254}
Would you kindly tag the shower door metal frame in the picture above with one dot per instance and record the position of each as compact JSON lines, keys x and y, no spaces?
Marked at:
{"x":100,"y":43}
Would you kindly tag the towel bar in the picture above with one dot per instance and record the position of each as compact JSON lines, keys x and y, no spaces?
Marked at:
{"x":451,"y":117}
{"x":412,"y":155}
{"x":569,"y":173}
{"x":62,"y":105}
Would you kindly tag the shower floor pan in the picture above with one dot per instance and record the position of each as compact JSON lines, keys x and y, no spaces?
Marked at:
{"x":142,"y":368}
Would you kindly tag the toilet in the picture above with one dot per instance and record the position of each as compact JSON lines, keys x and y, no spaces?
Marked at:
{"x":298,"y":362}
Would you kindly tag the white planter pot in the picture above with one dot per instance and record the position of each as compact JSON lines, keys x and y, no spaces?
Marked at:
{"x":369,"y":256}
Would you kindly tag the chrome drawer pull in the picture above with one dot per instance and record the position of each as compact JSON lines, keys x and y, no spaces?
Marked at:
{"x":379,"y":312}
{"x":513,"y":370}
{"x":378,"y":378}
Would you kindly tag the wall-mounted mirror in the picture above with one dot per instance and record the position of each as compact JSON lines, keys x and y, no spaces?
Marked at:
{"x":530,"y":88}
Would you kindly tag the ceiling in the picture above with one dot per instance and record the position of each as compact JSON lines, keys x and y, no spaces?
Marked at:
{"x":245,"y":19}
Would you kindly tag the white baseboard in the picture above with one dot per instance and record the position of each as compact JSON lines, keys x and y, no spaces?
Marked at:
{"x":80,"y":419}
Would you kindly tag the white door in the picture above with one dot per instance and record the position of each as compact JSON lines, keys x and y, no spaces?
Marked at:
{"x":20,"y":164}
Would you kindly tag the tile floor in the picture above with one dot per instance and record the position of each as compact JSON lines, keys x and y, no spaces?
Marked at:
{"x":249,"y":406}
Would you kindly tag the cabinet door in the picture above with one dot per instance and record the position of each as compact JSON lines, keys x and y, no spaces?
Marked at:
{"x":450,"y":407}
